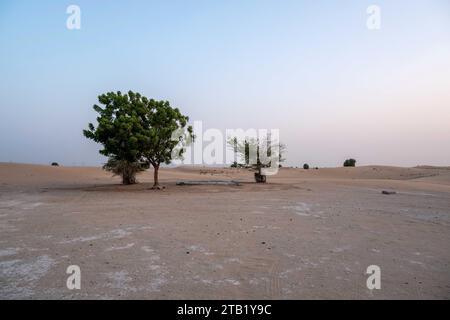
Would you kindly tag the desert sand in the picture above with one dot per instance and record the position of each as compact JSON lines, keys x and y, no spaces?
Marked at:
{"x":303,"y":235}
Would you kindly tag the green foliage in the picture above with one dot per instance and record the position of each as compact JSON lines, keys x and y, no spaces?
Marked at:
{"x":127,"y":170}
{"x":163,"y":122}
{"x":350,"y":163}
{"x":135,"y":130}
{"x":306,"y":166}
{"x":121,"y":126}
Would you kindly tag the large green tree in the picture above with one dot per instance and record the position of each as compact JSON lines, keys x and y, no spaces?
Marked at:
{"x":135,"y":132}
{"x":120,"y":130}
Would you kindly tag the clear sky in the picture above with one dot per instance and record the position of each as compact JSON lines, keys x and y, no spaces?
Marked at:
{"x":312,"y":69}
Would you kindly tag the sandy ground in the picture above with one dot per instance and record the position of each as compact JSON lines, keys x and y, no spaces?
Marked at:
{"x":304,"y":235}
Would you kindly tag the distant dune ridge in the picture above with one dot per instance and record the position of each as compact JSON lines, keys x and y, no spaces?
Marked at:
{"x":44,"y":175}
{"x":31,"y":173}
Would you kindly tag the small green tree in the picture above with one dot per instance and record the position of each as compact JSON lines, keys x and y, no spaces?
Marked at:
{"x":256,"y":154}
{"x":161,"y":125}
{"x":306,"y":166}
{"x":350,"y":163}
{"x":120,"y":130}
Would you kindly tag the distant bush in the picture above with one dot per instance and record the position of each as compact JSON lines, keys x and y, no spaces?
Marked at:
{"x":306,"y":166}
{"x":350,"y":163}
{"x":55,"y":164}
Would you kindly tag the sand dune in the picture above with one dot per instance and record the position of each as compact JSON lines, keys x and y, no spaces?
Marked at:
{"x":29,"y":174}
{"x":305,"y":234}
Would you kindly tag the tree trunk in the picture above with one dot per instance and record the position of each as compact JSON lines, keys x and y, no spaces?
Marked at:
{"x":260,"y":178}
{"x":155,"y":177}
{"x":128,"y":178}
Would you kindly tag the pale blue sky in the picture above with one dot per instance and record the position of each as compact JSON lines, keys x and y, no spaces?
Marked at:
{"x":310,"y":68}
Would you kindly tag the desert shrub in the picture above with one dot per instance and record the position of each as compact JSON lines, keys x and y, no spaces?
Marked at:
{"x":55,"y":164}
{"x":350,"y":163}
{"x":127,"y":170}
{"x":306,"y":166}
